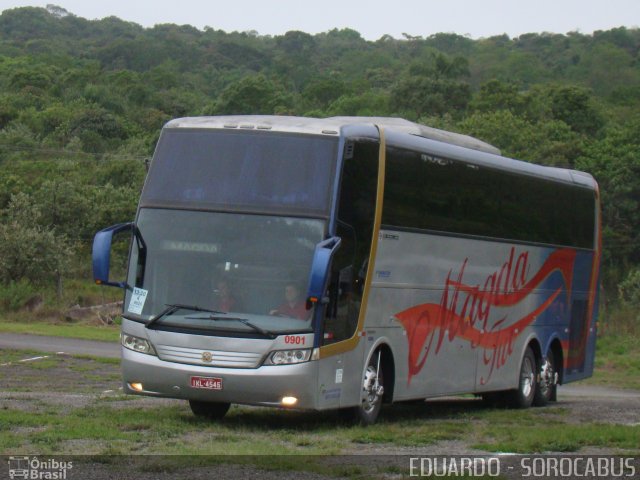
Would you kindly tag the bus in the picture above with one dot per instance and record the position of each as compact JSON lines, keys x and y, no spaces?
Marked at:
{"x":347,"y":262}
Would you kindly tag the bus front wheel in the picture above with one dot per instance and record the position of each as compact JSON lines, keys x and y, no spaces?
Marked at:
{"x":210,"y":410}
{"x":372,"y":391}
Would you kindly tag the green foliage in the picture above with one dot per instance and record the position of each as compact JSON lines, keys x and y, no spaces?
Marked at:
{"x":254,"y":94}
{"x":29,"y":250}
{"x":321,"y":92}
{"x":497,"y":95}
{"x":417,"y":96}
{"x":548,"y":143}
{"x":574,"y":106}
{"x":629,"y":289}
{"x":82,"y":103}
{"x":369,"y":103}
{"x":614,"y":160}
{"x":617,"y":360}
{"x":16,"y":140}
{"x":15,"y":294}
{"x":433,"y":87}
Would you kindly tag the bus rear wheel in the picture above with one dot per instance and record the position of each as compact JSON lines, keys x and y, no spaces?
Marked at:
{"x":210,"y":410}
{"x":547,"y":383}
{"x":523,"y":396}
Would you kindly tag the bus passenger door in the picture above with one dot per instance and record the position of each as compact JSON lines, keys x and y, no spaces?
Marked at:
{"x":342,"y":351}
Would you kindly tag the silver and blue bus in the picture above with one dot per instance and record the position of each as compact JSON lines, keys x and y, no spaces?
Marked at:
{"x":347,"y":262}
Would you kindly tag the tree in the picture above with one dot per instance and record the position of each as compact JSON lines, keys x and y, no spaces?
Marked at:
{"x":614,"y":160}
{"x":574,"y":106}
{"x":253,"y":94}
{"x":29,"y":250}
{"x":417,"y":96}
{"x":369,"y":103}
{"x":296,"y":44}
{"x":497,"y":95}
{"x":546,"y":143}
{"x":321,"y":92}
{"x":64,"y":209}
{"x":433,"y":87}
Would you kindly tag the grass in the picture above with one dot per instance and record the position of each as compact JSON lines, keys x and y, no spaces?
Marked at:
{"x":617,"y":362}
{"x":114,"y":424}
{"x":170,"y":438}
{"x":9,"y":356}
{"x":172,"y":429}
{"x":51,"y":318}
{"x":70,"y":330}
{"x":559,"y":438}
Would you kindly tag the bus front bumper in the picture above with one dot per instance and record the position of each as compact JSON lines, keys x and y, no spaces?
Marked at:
{"x":267,"y":385}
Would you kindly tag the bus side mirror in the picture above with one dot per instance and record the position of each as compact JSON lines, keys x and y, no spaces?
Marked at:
{"x":101,"y":253}
{"x":319,"y":275}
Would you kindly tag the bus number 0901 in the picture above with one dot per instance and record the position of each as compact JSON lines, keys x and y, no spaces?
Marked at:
{"x":294,"y":339}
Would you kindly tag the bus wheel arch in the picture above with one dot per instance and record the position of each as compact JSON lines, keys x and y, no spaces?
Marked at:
{"x":558,"y":355}
{"x":389,"y":371}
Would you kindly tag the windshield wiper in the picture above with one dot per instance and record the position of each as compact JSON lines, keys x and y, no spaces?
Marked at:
{"x":174,"y":307}
{"x":244,"y":321}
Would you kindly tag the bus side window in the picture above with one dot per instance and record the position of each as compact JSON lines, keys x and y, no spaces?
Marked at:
{"x":342,"y":314}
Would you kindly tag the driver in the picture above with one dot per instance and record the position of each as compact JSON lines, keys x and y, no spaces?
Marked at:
{"x":293,"y":306}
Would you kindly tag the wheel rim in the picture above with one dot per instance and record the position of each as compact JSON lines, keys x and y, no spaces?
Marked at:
{"x":527,"y":377}
{"x":372,"y":390}
{"x":547,"y":377}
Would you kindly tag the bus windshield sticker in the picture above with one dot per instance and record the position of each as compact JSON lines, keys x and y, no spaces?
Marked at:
{"x":138,"y":297}
{"x":190,"y":246}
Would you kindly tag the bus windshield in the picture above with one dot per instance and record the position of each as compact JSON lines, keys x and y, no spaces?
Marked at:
{"x":247,"y":171}
{"x":250,"y":272}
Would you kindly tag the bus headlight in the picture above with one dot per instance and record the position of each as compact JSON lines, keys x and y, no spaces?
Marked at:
{"x":288,"y":357}
{"x":136,"y":344}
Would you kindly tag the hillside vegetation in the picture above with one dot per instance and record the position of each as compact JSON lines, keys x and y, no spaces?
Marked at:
{"x":82,"y":103}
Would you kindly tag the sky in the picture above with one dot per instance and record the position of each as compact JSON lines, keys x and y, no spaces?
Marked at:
{"x":372,"y":18}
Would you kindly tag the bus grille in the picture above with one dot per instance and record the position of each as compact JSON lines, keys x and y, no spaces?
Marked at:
{"x":195,"y":356}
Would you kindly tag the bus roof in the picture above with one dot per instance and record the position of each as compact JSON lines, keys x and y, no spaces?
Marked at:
{"x":448,"y":142}
{"x":331,"y":126}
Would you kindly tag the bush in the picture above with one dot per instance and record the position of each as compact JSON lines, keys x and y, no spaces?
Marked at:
{"x":14,"y":295}
{"x":29,"y":250}
{"x":629,"y":289}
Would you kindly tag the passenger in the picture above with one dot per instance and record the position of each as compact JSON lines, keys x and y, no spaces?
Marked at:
{"x":293,"y":305}
{"x":225,"y":300}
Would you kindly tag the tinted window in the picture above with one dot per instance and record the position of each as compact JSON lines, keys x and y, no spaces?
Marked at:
{"x":426,"y":192}
{"x":248,"y":171}
{"x":356,"y":215}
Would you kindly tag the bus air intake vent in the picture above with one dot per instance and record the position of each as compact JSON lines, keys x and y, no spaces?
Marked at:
{"x":196,"y":356}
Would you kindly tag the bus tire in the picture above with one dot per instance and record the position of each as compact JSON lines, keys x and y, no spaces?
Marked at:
{"x":210,"y":410}
{"x":522,"y":397}
{"x":372,"y":392}
{"x":547,"y":381}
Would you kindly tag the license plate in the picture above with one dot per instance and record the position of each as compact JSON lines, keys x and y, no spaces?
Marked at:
{"x":210,"y":383}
